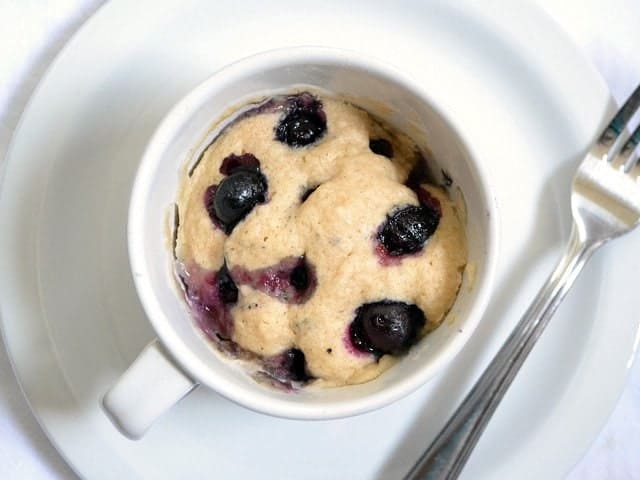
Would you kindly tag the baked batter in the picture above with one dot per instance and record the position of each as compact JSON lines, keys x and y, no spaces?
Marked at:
{"x":308,"y":243}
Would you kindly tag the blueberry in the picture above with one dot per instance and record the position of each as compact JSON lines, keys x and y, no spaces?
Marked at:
{"x":407,"y":229}
{"x":233,"y":162}
{"x":295,"y":363}
{"x":299,"y":277}
{"x":236,"y":196}
{"x":303,"y":123}
{"x":386,"y":327}
{"x":381,"y":146}
{"x":288,"y":366}
{"x":299,"y":129}
{"x":227,"y":289}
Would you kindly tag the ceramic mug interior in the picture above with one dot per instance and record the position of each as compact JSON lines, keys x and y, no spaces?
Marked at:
{"x":383,"y":91}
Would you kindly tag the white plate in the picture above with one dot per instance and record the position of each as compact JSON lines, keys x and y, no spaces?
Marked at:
{"x":526,"y":100}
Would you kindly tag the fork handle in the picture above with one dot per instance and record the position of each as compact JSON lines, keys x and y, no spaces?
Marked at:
{"x":447,"y":455}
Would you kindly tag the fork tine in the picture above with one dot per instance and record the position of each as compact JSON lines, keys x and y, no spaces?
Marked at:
{"x":633,"y":161}
{"x":629,"y":152}
{"x":618,"y":123}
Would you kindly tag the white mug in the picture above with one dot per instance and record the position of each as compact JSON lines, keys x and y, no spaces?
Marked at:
{"x":182,"y":358}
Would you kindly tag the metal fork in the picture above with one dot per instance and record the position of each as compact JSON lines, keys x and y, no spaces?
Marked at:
{"x":605,"y":202}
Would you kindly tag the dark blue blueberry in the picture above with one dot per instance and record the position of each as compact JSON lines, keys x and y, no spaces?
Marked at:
{"x":407,"y":229}
{"x":236,"y":196}
{"x":299,"y":276}
{"x":288,"y":366}
{"x":386,"y":327}
{"x":381,"y":146}
{"x":303,"y":123}
{"x":227,"y":289}
{"x":295,"y":363}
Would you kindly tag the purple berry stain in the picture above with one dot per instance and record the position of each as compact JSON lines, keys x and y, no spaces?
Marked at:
{"x":293,"y":280}
{"x":420,"y":173}
{"x":430,"y":202}
{"x":210,"y":296}
{"x":385,"y":327}
{"x":209,"y":196}
{"x":234,"y":162}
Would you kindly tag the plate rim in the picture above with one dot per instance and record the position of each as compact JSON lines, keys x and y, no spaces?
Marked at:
{"x":87,"y":25}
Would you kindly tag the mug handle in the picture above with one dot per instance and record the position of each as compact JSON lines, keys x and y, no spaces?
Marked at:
{"x":150,"y":386}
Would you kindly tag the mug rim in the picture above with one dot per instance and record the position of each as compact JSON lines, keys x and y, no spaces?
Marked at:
{"x":189,"y":361}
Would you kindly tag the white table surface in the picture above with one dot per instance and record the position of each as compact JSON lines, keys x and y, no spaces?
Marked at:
{"x":33,"y":31}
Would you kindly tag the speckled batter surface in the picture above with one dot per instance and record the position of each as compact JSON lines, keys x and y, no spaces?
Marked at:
{"x":350,"y":192}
